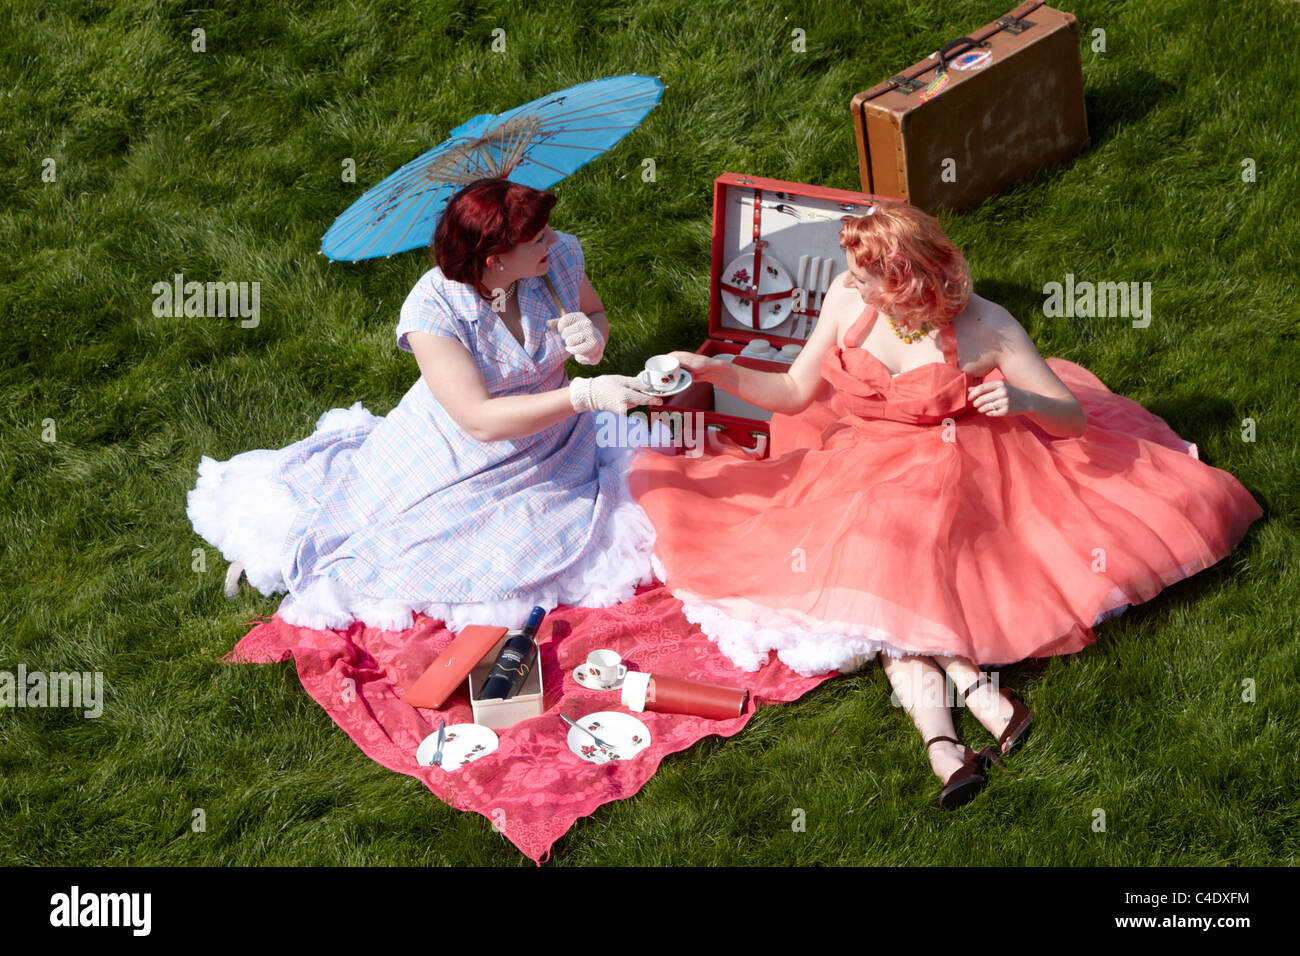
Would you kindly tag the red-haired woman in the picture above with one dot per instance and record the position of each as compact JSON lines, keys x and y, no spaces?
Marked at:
{"x":484,"y":492}
{"x":936,"y":492}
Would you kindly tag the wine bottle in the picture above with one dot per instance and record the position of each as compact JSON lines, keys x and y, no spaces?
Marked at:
{"x":514,"y":662}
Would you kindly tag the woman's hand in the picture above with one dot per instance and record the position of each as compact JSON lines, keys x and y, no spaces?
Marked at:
{"x":997,"y":399}
{"x":581,"y":337}
{"x":609,"y":393}
{"x":703,"y":368}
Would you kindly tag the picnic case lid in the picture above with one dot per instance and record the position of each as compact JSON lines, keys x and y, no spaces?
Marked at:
{"x":755,"y":217}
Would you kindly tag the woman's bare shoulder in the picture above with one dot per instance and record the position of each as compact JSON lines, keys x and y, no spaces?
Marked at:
{"x":842,"y":305}
{"x":985,"y":313}
{"x":988,"y":335}
{"x":989,"y":324}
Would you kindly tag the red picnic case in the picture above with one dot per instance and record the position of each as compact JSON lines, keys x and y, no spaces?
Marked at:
{"x":770,"y":228}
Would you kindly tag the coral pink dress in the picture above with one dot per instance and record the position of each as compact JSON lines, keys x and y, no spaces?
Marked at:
{"x":892,"y":516}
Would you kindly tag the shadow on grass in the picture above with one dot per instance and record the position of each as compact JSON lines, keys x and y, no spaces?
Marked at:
{"x":1120,"y":101}
{"x":1016,"y":297}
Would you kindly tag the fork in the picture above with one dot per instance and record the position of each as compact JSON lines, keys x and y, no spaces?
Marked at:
{"x":599,"y":743}
{"x":801,"y":215}
{"x":437,"y":757}
{"x":785,"y":208}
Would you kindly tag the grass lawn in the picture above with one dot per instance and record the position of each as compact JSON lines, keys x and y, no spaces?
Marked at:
{"x":226,"y":164}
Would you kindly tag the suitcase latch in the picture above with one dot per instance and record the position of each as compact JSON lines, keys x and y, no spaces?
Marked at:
{"x":905,"y":85}
{"x":1012,"y":25}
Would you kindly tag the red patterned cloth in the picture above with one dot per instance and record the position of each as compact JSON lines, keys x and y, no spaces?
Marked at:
{"x":532,"y":786}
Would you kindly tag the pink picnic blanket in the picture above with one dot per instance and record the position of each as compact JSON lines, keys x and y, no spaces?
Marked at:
{"x":532,"y":787}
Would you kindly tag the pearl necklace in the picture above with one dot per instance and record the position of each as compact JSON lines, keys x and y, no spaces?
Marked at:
{"x":509,"y":292}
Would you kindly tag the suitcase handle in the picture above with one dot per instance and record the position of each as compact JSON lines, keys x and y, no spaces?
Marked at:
{"x":950,"y":48}
{"x":910,"y":84}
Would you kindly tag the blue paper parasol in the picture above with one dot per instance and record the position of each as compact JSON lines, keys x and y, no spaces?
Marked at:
{"x":536,"y":144}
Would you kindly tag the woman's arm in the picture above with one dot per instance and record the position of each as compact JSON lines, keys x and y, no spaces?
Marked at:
{"x":451,"y":374}
{"x":1029,"y":385}
{"x":786,"y":393}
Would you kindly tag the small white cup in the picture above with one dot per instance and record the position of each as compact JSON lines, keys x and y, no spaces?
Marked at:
{"x":636,"y":687}
{"x":606,"y":667}
{"x":791,"y":351}
{"x":757,"y":347}
{"x":663,"y":371}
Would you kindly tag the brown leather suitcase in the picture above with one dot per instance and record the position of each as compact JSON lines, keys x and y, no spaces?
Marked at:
{"x":985,"y":111}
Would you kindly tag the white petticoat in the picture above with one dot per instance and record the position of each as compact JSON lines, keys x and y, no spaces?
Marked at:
{"x":240,"y":508}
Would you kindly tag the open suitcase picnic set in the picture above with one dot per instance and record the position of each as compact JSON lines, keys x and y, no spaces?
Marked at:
{"x":775,"y":252}
{"x":990,"y":108}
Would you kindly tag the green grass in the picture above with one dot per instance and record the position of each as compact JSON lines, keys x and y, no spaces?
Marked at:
{"x":226,"y":164}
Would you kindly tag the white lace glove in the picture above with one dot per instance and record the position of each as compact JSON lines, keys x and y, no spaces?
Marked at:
{"x":609,"y":393}
{"x":581,"y":337}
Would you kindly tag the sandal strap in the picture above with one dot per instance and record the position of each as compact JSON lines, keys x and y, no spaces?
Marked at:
{"x":990,"y":753}
{"x":935,"y":740}
{"x":983,"y":679}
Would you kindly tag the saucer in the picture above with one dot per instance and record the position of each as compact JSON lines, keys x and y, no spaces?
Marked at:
{"x":622,"y":731}
{"x":683,"y":383}
{"x":464,"y":744}
{"x":584,"y":677}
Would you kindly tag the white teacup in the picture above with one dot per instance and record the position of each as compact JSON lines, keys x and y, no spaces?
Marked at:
{"x":663,"y":371}
{"x":606,"y":667}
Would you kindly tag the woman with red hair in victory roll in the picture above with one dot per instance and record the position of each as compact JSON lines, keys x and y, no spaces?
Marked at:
{"x":484,"y":491}
{"x":937,"y":493}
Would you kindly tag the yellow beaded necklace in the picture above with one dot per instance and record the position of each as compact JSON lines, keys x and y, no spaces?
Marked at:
{"x":910,"y":337}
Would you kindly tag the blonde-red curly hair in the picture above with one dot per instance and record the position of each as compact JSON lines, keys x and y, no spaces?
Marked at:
{"x":921,"y":275}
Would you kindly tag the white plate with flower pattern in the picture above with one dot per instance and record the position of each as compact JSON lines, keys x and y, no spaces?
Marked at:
{"x":623,"y":732}
{"x":773,"y":312}
{"x":465,"y":743}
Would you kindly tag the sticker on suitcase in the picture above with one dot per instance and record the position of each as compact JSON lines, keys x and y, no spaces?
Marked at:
{"x":974,"y":60}
{"x":935,"y":87}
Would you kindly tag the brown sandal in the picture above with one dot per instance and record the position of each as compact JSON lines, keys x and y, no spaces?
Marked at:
{"x":1021,"y":716}
{"x":966,"y":781}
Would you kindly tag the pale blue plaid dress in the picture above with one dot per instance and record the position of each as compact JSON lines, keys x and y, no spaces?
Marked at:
{"x":410,"y":508}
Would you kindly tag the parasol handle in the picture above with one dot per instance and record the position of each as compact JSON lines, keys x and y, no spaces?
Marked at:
{"x":555,"y":296}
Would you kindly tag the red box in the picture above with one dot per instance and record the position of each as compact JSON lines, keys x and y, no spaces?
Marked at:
{"x":763,"y":227}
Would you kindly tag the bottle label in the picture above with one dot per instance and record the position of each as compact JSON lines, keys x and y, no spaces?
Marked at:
{"x":511,"y":662}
